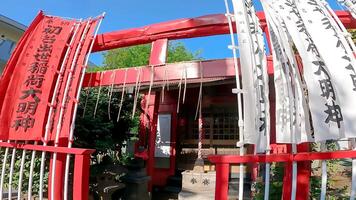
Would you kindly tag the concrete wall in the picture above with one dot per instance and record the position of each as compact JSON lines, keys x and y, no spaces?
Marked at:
{"x":10,"y":33}
{"x":6,"y":47}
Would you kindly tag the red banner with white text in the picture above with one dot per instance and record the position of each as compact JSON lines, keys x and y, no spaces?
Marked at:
{"x":34,"y":72}
{"x":43,"y":78}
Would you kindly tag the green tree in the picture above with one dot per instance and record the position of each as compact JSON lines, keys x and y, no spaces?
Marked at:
{"x":107,"y":135}
{"x":139,"y":56}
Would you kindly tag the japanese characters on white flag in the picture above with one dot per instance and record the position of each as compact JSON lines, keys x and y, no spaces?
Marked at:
{"x":314,"y":69}
{"x":328,"y":64}
{"x":334,"y":19}
{"x":254,"y":75}
{"x":339,"y":61}
{"x":350,"y":5}
{"x":263,"y":118}
{"x":292,"y":112}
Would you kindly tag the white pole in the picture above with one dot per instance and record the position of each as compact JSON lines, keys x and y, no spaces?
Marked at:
{"x":30,"y":178}
{"x":49,"y":123}
{"x":19,"y":188}
{"x":353,"y":181}
{"x":71,"y":134}
{"x":294,"y":173}
{"x":239,"y":98}
{"x":3,"y":171}
{"x":351,"y":44}
{"x":12,"y":163}
{"x":324,"y":174}
{"x":63,"y":102}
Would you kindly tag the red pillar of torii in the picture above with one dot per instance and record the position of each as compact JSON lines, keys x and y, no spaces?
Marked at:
{"x":216,"y":24}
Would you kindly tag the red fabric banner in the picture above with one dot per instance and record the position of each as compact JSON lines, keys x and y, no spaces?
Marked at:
{"x":9,"y":68}
{"x":76,"y":80}
{"x":71,"y":80}
{"x":30,"y":76}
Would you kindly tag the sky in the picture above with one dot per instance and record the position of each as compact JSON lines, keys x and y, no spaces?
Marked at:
{"x":124,"y":14}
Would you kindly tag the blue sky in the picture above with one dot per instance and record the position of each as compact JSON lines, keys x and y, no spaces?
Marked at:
{"x":123,"y":14}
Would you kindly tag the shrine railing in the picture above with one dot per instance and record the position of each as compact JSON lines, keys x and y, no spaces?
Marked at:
{"x":27,"y":153}
{"x":223,"y":162}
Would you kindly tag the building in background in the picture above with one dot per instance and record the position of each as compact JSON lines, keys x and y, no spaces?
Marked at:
{"x":10,"y":33}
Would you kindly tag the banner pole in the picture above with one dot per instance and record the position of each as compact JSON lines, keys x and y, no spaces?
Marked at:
{"x":72,"y":126}
{"x":63,"y":103}
{"x":3,"y":171}
{"x":239,"y":98}
{"x":50,"y":112}
{"x":324,"y":174}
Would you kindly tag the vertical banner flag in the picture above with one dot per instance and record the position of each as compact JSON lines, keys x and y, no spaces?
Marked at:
{"x":323,"y":95}
{"x":9,"y":68}
{"x":31,"y":74}
{"x":247,"y":69}
{"x":261,"y":78}
{"x":253,"y":64}
{"x":76,"y":66}
{"x":339,"y":61}
{"x":285,"y":100}
{"x":26,"y":99}
{"x":292,"y":112}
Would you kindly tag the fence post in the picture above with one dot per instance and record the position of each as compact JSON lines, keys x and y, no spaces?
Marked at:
{"x":304,"y":173}
{"x":59,"y":173}
{"x":81,"y":177}
{"x":222,"y":181}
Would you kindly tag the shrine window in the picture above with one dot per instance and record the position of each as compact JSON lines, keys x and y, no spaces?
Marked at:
{"x":219,"y":126}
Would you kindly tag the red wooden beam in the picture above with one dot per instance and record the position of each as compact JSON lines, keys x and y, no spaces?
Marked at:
{"x":211,"y":69}
{"x":81,"y":177}
{"x":158,"y":56}
{"x":176,"y":29}
{"x":222,"y":181}
{"x":214,"y":68}
{"x":51,"y":149}
{"x":207,"y":25}
{"x":305,"y":156}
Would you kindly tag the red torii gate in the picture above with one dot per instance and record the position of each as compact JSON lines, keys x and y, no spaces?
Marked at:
{"x":216,"y":24}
